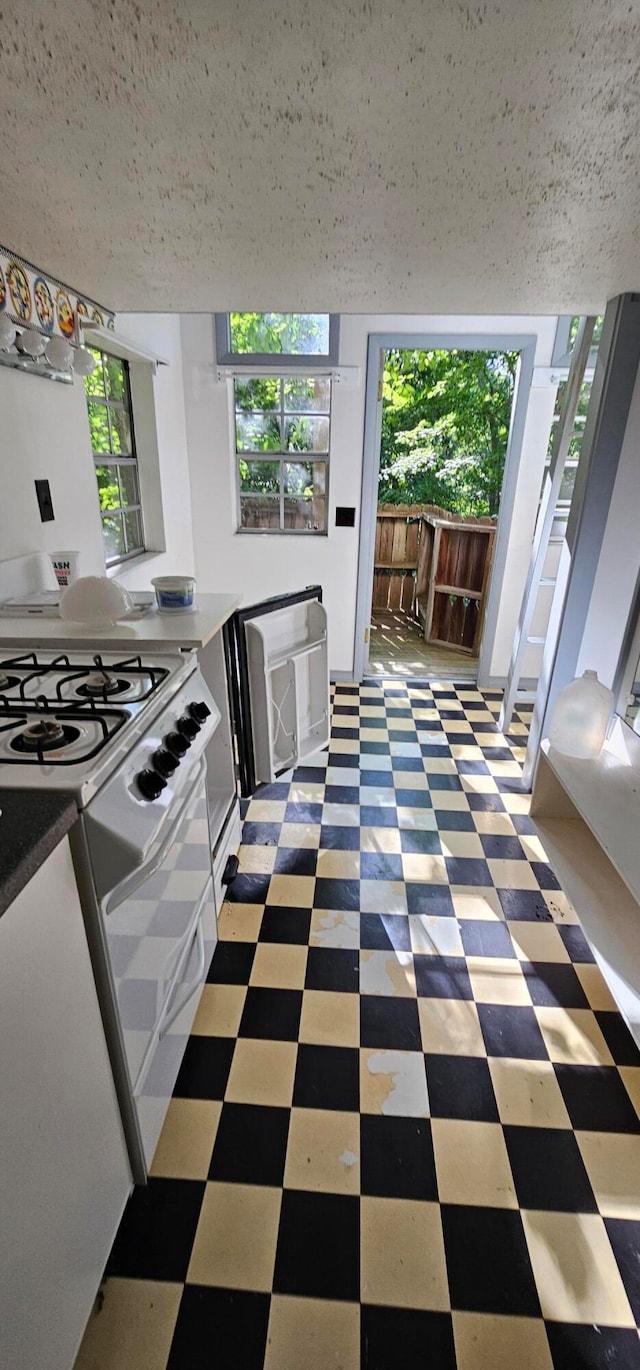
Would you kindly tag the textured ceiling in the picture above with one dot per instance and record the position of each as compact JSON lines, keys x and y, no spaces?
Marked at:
{"x":412,"y":155}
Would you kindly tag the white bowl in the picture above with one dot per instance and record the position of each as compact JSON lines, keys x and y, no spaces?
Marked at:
{"x":95,"y":600}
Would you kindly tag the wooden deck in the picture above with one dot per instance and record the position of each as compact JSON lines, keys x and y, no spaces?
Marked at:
{"x":397,"y":647}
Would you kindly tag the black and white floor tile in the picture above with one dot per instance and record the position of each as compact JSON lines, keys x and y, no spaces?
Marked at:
{"x":405,"y":1130}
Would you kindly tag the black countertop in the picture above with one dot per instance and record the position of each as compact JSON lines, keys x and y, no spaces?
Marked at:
{"x":32,"y":823}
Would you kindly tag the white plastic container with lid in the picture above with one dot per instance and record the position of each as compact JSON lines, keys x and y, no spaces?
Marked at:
{"x":581,"y":716}
{"x":174,"y":594}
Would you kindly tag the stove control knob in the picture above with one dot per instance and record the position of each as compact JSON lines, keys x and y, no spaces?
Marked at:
{"x":164,"y":763}
{"x":176,"y":744}
{"x":150,"y":784}
{"x":200,"y":711}
{"x":188,"y":727}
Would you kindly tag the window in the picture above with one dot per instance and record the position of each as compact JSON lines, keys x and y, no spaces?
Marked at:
{"x":566,"y":333}
{"x":567,"y":484}
{"x":282,"y":416}
{"x":282,"y":452}
{"x":113,"y":445}
{"x":300,"y":339}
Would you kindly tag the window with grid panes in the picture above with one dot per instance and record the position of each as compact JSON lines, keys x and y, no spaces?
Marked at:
{"x":298,"y":339}
{"x":282,"y":426}
{"x":570,"y":472}
{"x":113,"y":445}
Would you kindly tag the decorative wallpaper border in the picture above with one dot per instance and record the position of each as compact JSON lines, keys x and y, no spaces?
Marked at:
{"x":33,"y":299}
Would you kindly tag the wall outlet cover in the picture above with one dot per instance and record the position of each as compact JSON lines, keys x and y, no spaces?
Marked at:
{"x":45,"y":502}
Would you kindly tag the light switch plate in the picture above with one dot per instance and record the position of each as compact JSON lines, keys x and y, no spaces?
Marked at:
{"x":45,"y":502}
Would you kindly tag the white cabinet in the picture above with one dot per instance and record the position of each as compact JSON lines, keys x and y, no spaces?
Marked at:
{"x":289,"y":686}
{"x":64,"y":1173}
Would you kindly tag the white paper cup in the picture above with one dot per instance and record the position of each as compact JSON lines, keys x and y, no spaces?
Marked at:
{"x":66,"y":566}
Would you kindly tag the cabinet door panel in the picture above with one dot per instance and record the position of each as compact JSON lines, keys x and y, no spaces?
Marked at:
{"x":64,"y":1173}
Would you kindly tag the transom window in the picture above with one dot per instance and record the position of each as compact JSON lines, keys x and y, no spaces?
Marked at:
{"x":113,"y":445}
{"x":300,"y":339}
{"x":282,"y":428}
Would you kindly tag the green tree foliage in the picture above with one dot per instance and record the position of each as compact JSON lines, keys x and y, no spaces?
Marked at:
{"x":105,"y":387}
{"x":575,"y":443}
{"x":277,"y":333}
{"x":445,"y":426}
{"x":269,"y":418}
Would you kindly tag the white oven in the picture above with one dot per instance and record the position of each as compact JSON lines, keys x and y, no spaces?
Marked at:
{"x":159,"y":927}
{"x":143,"y":744}
{"x":146,"y":870}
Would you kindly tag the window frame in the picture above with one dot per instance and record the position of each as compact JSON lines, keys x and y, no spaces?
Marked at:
{"x":563,"y":505}
{"x":299,"y":361}
{"x":283,"y":458}
{"x":563,"y":348}
{"x":117,"y":460}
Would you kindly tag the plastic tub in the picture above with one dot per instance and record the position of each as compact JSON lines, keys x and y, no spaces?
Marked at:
{"x":174,"y":594}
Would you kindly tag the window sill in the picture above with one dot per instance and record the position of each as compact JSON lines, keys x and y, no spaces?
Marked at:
{"x":281,"y":533}
{"x":131,"y":563}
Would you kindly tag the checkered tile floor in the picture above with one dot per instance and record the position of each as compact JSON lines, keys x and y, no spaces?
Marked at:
{"x":404,"y":1132}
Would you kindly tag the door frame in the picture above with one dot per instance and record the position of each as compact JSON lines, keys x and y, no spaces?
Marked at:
{"x":378,"y":344}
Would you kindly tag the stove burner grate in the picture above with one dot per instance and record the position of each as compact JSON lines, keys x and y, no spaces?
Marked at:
{"x":44,"y":736}
{"x":51,"y":728}
{"x":136,"y":677}
{"x":100,"y":686}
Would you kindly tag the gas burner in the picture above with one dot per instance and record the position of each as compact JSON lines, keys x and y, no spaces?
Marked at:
{"x":63,"y":680}
{"x":46,"y":734}
{"x":36,"y":732}
{"x":99,"y":685}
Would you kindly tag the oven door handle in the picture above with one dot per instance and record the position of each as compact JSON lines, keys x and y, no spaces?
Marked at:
{"x":188,"y":986}
{"x":133,"y":882}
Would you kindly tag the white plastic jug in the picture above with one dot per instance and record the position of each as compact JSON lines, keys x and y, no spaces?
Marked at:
{"x":581,"y":716}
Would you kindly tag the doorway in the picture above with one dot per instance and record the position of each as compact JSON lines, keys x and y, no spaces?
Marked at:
{"x":443,"y":435}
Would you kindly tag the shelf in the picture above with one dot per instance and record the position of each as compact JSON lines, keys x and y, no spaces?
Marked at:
{"x":303,"y":650}
{"x":608,"y":911}
{"x":587,"y":813}
{"x":459,"y":591}
{"x":283,"y":763}
{"x":315,"y":738}
{"x":395,"y":566}
{"x":606,"y":794}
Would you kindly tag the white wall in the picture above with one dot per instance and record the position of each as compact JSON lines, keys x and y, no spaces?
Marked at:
{"x":266,"y":564}
{"x":45,"y":434}
{"x":619,"y":562}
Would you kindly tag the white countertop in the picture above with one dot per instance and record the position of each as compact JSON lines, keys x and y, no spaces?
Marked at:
{"x":167,"y":631}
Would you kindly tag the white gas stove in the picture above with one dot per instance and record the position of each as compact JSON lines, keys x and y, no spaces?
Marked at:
{"x":68,"y":719}
{"x":128,"y":737}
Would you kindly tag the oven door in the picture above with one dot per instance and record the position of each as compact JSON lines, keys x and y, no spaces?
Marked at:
{"x":154,"y":924}
{"x":160,"y":1068}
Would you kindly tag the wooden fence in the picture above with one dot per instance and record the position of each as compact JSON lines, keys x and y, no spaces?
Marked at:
{"x":396,"y":555}
{"x":431,"y":564}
